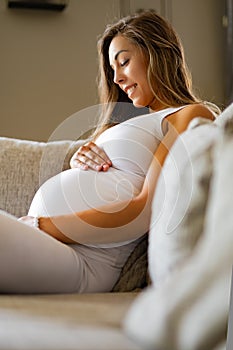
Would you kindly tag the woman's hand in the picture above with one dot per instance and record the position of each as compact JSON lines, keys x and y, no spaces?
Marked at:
{"x":46,"y":225}
{"x":29,"y":220}
{"x":90,"y":156}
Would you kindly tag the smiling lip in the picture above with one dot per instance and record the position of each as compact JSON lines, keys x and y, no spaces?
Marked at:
{"x":129,"y":89}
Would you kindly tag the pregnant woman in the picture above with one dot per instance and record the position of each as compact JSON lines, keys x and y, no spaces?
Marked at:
{"x":82,"y":225}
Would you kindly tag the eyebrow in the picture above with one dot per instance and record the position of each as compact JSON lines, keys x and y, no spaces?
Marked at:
{"x":118,"y":53}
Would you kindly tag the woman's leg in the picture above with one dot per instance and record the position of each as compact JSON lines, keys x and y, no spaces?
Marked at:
{"x":33,"y":262}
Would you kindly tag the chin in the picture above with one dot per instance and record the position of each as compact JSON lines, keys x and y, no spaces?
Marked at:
{"x":138,"y":105}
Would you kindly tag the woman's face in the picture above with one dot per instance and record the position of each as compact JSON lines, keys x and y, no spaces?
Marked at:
{"x":130,"y":71}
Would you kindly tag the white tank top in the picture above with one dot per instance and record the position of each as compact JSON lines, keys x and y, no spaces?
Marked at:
{"x":130,"y":146}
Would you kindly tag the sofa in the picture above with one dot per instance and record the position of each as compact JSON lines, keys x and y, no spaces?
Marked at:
{"x":174,"y":290}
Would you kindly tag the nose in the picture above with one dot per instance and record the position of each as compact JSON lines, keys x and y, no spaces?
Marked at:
{"x":118,"y":77}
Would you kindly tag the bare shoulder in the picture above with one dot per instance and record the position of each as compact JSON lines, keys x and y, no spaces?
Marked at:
{"x":181,"y":119}
{"x":196,"y":110}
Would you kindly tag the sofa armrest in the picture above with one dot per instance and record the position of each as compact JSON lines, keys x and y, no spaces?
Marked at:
{"x":25,"y":165}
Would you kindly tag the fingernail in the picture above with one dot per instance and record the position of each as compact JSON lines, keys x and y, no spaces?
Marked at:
{"x":105,"y":167}
{"x":98,"y":167}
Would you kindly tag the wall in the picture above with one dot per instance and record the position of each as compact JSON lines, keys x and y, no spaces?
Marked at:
{"x":199,"y":24}
{"x":48,"y":65}
{"x":48,"y":60}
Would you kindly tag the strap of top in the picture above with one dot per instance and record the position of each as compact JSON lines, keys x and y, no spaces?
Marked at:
{"x":160,"y":115}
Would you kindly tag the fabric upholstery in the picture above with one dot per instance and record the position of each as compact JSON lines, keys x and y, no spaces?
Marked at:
{"x":180,"y":202}
{"x":189,"y":311}
{"x":25,"y":165}
{"x":134,"y":275}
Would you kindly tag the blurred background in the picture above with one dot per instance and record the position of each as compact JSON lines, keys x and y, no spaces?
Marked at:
{"x":48,"y":60}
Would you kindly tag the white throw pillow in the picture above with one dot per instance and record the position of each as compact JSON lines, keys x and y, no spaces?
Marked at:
{"x":190,"y":310}
{"x":180,"y":200}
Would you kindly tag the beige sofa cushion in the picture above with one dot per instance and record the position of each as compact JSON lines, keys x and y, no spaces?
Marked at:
{"x":134,"y":275}
{"x":64,"y":322}
{"x":25,"y":165}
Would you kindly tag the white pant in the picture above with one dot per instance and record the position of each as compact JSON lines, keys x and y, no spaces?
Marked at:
{"x":33,"y":262}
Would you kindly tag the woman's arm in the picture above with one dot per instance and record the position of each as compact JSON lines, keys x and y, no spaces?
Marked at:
{"x":137,"y":209}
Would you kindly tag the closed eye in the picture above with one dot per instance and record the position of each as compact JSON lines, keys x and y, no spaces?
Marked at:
{"x":124,"y":63}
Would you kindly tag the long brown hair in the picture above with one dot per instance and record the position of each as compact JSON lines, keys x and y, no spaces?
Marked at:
{"x":168,"y":75}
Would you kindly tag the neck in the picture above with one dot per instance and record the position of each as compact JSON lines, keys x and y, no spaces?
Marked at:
{"x":156,"y":106}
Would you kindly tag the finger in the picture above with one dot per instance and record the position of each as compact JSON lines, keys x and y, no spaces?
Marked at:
{"x":88,"y":164}
{"x":76,"y":163}
{"x":86,"y":155}
{"x":94,"y":158}
{"x":85,"y":163}
{"x":105,"y":167}
{"x":99,"y":153}
{"x":75,"y":159}
{"x":92,"y":164}
{"x":90,"y":155}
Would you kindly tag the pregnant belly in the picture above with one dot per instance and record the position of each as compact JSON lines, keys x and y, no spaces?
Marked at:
{"x":75,"y":190}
